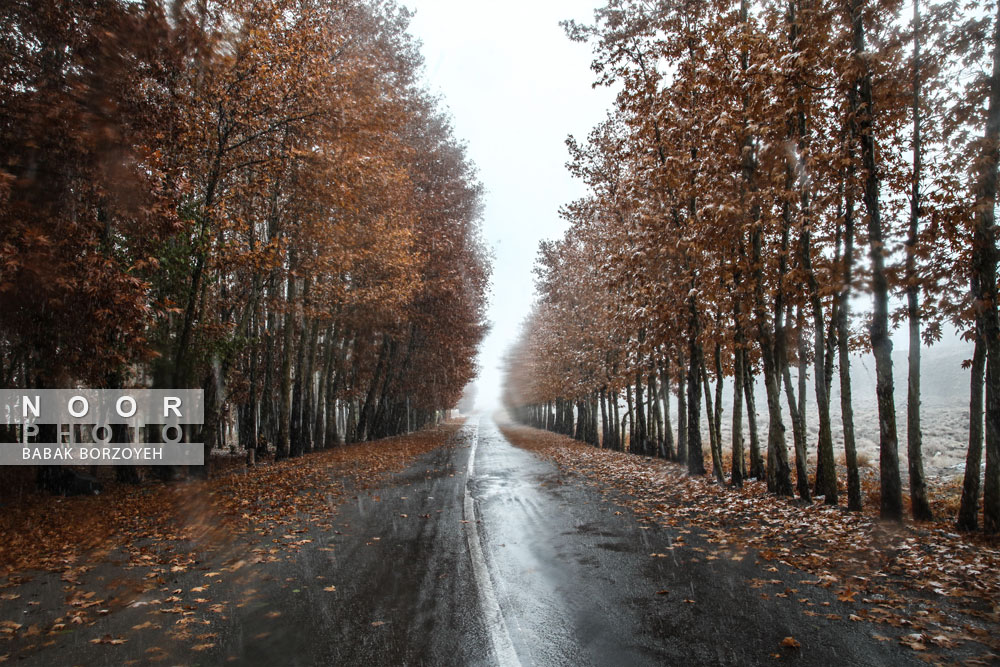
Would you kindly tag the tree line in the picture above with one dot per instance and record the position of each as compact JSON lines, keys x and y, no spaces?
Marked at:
{"x":258,"y":198}
{"x":765,"y":166}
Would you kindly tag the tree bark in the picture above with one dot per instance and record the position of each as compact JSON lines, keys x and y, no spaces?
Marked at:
{"x":682,"y":413}
{"x":985,"y":271}
{"x":713,"y":439}
{"x":757,"y":470}
{"x":667,"y":448}
{"x":843,"y":330}
{"x":890,"y":485}
{"x":918,"y":486}
{"x":968,"y":511}
{"x":284,"y":437}
{"x":798,"y":431}
{"x":696,"y":458}
{"x":738,"y":472}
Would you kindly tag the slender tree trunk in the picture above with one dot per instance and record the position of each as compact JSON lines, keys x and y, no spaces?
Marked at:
{"x":630,"y":418}
{"x":308,"y":410}
{"x":297,"y":438}
{"x":777,"y":471}
{"x":757,"y":470}
{"x":843,"y":334}
{"x":826,"y":467}
{"x":720,"y":383}
{"x":654,"y":398}
{"x":616,"y":442}
{"x":969,"y":510}
{"x":891,"y":502}
{"x":639,"y":445}
{"x":713,"y":433}
{"x":284,"y":438}
{"x":985,"y":285}
{"x":604,"y":417}
{"x":366,"y":412}
{"x":918,"y":487}
{"x":738,"y":472}
{"x":267,"y":427}
{"x":667,"y":449}
{"x":592,"y":413}
{"x":696,"y":458}
{"x":682,"y":413}
{"x":319,"y":427}
{"x":798,"y":432}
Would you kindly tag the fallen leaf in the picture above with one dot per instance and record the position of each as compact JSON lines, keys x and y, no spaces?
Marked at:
{"x":108,"y":639}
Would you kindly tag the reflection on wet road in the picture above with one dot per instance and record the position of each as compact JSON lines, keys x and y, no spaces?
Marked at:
{"x":576,"y":584}
{"x":558,"y":590}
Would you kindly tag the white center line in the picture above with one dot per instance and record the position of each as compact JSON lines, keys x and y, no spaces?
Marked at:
{"x":503,"y":648}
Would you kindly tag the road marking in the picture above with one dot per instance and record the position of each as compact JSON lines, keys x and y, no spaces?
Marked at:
{"x":503,"y":648}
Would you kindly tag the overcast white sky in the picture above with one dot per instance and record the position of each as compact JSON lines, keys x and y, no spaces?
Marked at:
{"x":516,"y":86}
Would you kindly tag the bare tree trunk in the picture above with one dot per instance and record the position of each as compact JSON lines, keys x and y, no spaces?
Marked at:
{"x":843,"y":334}
{"x":985,"y":269}
{"x":604,"y":416}
{"x":757,"y":470}
{"x":667,"y":449}
{"x":968,"y":512}
{"x":629,"y":417}
{"x":638,"y":446}
{"x":682,"y":413}
{"x":891,"y":503}
{"x":720,"y":383}
{"x":713,"y":439}
{"x":696,"y":458}
{"x":617,"y":442}
{"x":308,"y":417}
{"x":918,"y":487}
{"x":826,"y":467}
{"x":593,"y":438}
{"x":297,"y":439}
{"x":284,"y":438}
{"x":657,"y":416}
{"x":777,"y":472}
{"x":738,"y":473}
{"x":798,"y":429}
{"x":321,"y":413}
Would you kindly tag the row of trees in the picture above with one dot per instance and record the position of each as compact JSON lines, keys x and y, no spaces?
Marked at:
{"x":766,"y":164}
{"x":254,"y":197}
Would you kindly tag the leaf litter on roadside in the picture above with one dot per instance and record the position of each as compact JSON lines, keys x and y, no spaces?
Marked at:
{"x":924,"y":579}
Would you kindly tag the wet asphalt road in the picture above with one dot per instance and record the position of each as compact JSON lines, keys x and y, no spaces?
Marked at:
{"x":507,"y":561}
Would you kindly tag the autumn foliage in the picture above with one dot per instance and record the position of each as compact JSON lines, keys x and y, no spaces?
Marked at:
{"x":254,"y":198}
{"x":764,"y":165}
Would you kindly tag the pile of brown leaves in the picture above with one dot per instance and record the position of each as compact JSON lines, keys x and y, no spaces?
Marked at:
{"x":163,"y":522}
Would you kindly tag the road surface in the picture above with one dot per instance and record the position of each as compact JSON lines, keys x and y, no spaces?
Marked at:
{"x":482,"y":554}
